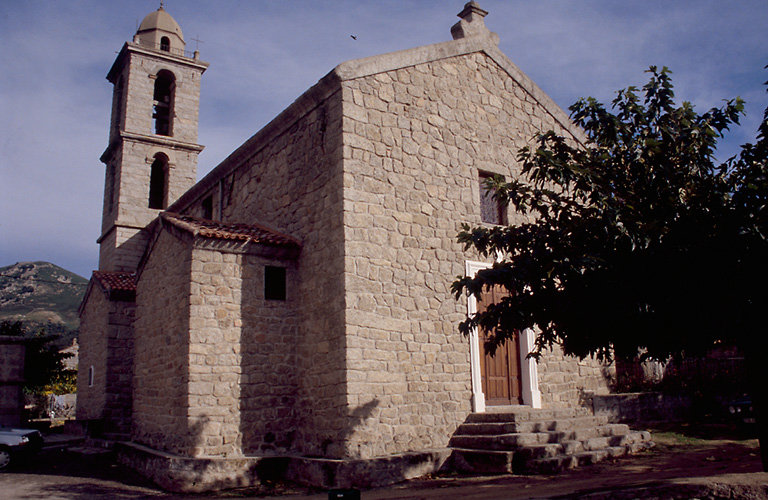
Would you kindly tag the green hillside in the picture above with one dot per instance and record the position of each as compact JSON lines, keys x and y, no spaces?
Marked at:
{"x":39,"y":293}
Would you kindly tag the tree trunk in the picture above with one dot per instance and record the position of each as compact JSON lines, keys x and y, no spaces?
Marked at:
{"x":757,"y":370}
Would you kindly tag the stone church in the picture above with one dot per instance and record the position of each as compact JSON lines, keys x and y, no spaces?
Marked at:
{"x":290,"y":313}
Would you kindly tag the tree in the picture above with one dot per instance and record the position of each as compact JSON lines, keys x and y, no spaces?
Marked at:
{"x":638,"y":239}
{"x":44,"y":369}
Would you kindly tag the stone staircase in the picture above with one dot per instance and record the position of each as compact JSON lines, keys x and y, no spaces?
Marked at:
{"x":524,"y":440}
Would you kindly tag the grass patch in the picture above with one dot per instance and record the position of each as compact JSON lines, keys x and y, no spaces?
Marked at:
{"x":676,"y":438}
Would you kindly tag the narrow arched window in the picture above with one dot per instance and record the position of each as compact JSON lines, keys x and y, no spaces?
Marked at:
{"x":158,"y":182}
{"x":162,"y":112}
{"x":165,"y":44}
{"x":117,"y":121}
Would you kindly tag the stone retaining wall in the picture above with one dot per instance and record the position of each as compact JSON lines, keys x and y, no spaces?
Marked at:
{"x":566,"y":381}
{"x":642,"y":407}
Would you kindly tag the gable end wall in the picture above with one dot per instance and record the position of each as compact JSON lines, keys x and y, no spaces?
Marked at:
{"x":414,"y":141}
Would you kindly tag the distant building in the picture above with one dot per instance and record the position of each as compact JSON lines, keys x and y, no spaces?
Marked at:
{"x":12,"y":353}
{"x":295,"y":303}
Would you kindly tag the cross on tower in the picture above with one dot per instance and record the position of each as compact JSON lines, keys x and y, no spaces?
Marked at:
{"x":197,"y":42}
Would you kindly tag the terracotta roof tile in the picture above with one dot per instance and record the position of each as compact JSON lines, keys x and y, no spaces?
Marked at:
{"x":229,"y":230}
{"x":116,"y":281}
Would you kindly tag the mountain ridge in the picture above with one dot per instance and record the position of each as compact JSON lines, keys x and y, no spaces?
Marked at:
{"x":39,"y":293}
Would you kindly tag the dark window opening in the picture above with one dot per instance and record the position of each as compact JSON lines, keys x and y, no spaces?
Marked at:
{"x":208,"y":208}
{"x":165,"y":44}
{"x":274,"y":283}
{"x":90,"y":376}
{"x":158,"y":181}
{"x":163,"y":102}
{"x":118,"y":115}
{"x":492,"y":210}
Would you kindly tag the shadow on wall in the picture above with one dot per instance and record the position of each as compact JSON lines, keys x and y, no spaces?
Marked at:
{"x":356,"y":418}
{"x":608,"y":375}
{"x":268,"y":340}
{"x":195,"y":431}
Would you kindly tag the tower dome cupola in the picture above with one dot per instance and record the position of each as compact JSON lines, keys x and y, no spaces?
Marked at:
{"x":160,"y":31}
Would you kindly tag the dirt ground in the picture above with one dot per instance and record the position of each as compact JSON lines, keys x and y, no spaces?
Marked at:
{"x":687,"y":462}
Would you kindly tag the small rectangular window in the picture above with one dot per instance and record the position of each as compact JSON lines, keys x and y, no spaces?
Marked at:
{"x":208,"y":208}
{"x":492,"y":211}
{"x":90,"y":376}
{"x":274,"y":283}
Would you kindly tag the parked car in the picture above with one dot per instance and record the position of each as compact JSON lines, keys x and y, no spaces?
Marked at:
{"x":741,"y":409}
{"x":16,"y":443}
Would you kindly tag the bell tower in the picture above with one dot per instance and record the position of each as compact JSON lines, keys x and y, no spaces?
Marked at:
{"x":151,"y":159}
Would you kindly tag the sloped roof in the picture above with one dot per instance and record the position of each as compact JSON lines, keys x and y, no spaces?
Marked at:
{"x":115,"y":285}
{"x":116,"y":281}
{"x":230,"y":231}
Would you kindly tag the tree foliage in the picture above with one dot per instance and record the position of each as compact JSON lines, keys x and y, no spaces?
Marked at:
{"x":637,"y":238}
{"x":44,"y":368}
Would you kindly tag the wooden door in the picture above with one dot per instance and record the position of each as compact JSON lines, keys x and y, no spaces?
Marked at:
{"x":500,"y":373}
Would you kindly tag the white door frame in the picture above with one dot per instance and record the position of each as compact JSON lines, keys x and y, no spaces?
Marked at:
{"x":528,"y":366}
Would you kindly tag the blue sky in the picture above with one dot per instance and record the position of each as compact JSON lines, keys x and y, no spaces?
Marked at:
{"x":55,"y":100}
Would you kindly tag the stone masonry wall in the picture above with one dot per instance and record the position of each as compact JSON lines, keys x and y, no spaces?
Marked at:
{"x":137,"y":158}
{"x":140,"y":81}
{"x":268,"y":357}
{"x":215,"y":372}
{"x":132,"y":158}
{"x":566,"y":381}
{"x":415,"y":141}
{"x":292,"y":183}
{"x":161,"y":371}
{"x":119,"y":361}
{"x":12,"y":351}
{"x":91,"y":399}
{"x":122,"y":248}
{"x":106,"y":334}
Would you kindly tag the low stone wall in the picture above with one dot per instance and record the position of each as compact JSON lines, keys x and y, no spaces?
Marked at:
{"x":195,"y":475}
{"x":642,"y":407}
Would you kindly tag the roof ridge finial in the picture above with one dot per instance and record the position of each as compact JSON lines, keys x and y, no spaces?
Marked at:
{"x":471,"y":23}
{"x":162,"y":5}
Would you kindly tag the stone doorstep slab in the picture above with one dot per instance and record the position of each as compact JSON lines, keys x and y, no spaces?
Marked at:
{"x":491,"y":428}
{"x":526,"y":414}
{"x":196,"y":475}
{"x":576,"y":424}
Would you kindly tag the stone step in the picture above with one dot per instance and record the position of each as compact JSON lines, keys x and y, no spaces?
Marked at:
{"x":501,"y":442}
{"x":557,"y":463}
{"x":543,"y":461}
{"x":526,"y":440}
{"x":525,"y":414}
{"x":592,"y":437}
{"x":483,"y":461}
{"x":583,"y":434}
{"x":491,"y":428}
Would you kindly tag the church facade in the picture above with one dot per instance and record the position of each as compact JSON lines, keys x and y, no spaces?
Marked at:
{"x":295,"y":303}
